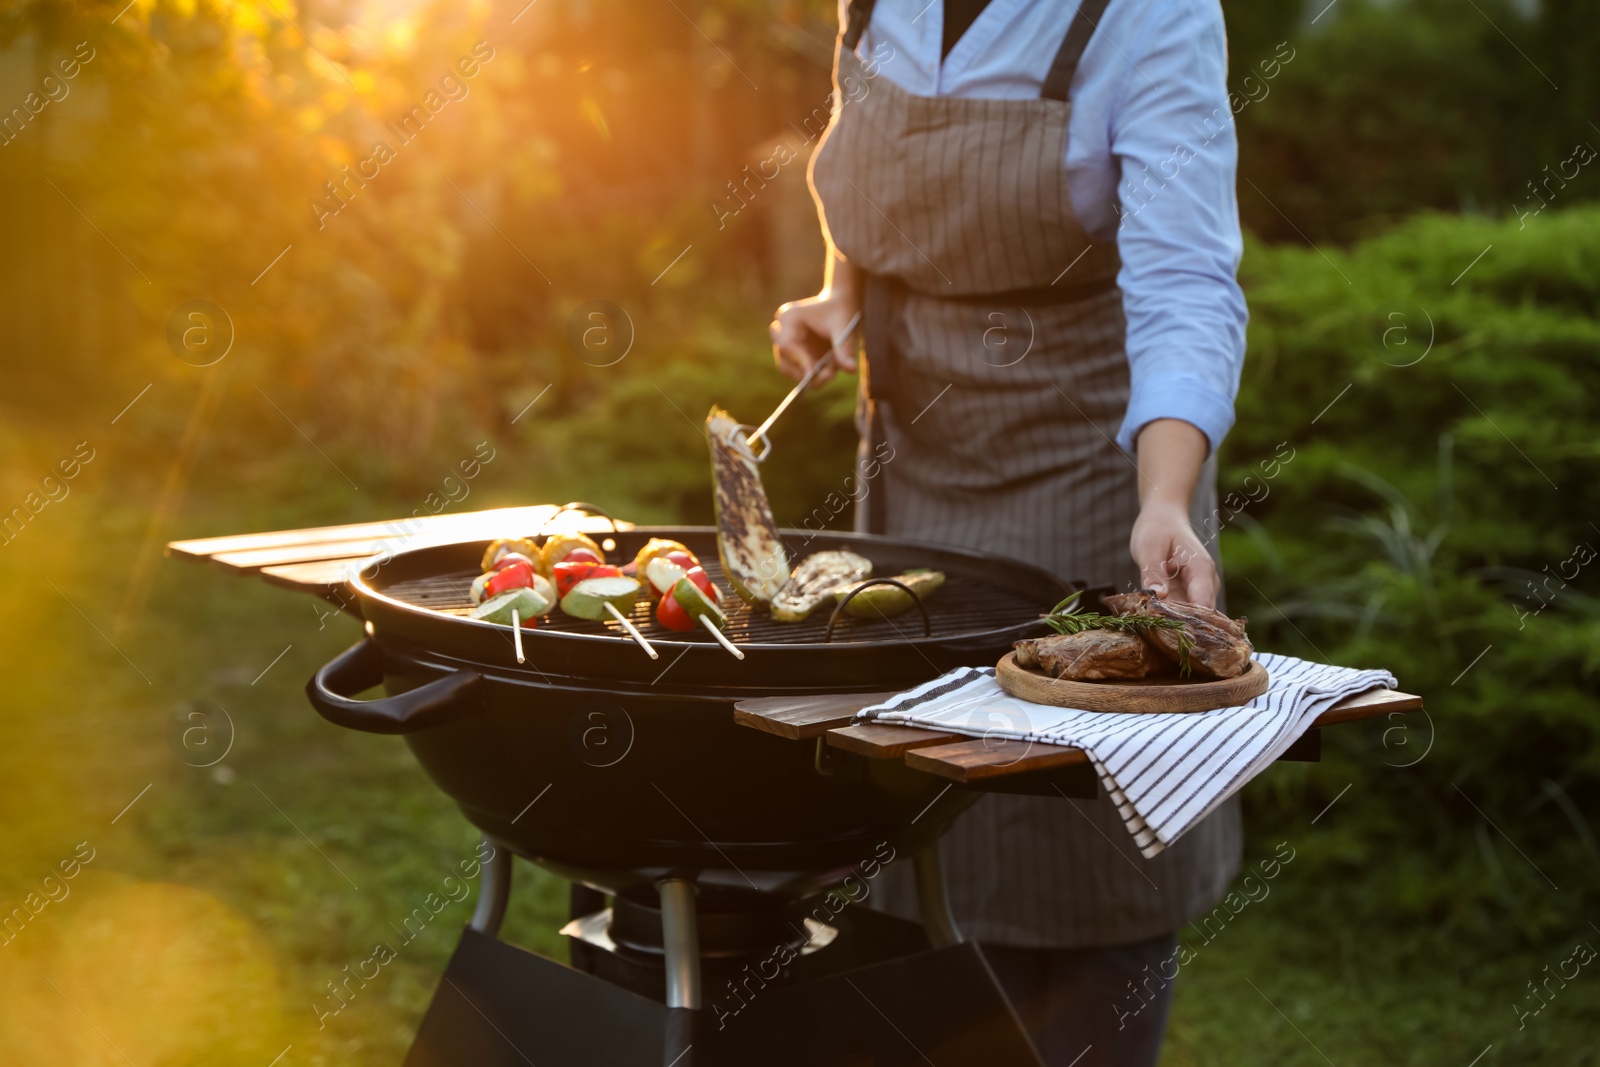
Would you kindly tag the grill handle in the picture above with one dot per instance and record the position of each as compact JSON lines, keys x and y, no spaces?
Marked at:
{"x":458,"y":695}
{"x":927,"y":622}
{"x":583,"y":508}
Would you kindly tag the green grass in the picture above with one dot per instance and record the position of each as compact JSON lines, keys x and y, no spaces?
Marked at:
{"x":220,"y":904}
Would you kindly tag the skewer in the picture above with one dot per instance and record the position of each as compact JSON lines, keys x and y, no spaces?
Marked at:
{"x":633,"y":631}
{"x":516,"y":634}
{"x":722,"y":638}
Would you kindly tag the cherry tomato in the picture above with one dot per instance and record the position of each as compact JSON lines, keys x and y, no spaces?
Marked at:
{"x":508,"y":558}
{"x":509,"y":577}
{"x":672,"y":616}
{"x":682,"y":559}
{"x":568,"y":575}
{"x":607,"y":570}
{"x":699,"y":577}
{"x":581,"y":555}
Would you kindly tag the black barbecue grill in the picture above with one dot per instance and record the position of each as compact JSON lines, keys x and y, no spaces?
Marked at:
{"x":630,"y":776}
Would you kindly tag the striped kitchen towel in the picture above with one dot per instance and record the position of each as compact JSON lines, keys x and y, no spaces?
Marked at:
{"x":1164,"y":772}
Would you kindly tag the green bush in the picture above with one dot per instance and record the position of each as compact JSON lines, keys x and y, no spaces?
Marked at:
{"x":1442,"y":428}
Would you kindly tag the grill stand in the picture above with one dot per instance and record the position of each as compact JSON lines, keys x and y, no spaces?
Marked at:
{"x":932,"y":900}
{"x":495,"y":891}
{"x":876,"y":995}
{"x":680,"y":941}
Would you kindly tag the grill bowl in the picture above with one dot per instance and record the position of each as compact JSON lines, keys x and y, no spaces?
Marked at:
{"x":613,"y":769}
{"x":986,"y":603}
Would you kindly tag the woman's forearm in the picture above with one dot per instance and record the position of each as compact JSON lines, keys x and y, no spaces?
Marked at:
{"x":1170,"y":455}
{"x":841,"y":278}
{"x":1171,"y":559}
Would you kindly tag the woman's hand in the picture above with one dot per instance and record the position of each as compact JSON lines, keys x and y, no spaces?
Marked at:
{"x":804,"y":330}
{"x":1172,"y":561}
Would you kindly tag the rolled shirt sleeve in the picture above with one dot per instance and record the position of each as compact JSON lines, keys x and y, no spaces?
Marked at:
{"x":1173,"y":143}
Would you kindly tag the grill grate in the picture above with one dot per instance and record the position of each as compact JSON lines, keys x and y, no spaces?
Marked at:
{"x":963,"y":605}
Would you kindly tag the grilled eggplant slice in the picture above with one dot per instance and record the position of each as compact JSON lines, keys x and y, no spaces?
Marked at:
{"x":747,"y":537}
{"x":814,"y":580}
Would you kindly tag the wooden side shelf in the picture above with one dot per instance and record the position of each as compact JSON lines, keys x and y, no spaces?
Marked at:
{"x":974,"y":760}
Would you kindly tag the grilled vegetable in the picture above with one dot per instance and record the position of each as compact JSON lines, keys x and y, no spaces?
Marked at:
{"x":558,"y":546}
{"x":747,"y":537}
{"x":588,"y":599}
{"x":506,"y":559}
{"x":662,"y":574}
{"x":569,"y":573}
{"x":879,"y":601}
{"x":696,"y":602}
{"x":814,"y":581}
{"x":490,"y":585}
{"x":658,"y":547}
{"x":528,"y":604}
{"x":670,"y":613}
{"x":505,"y":579}
{"x":504,"y":545}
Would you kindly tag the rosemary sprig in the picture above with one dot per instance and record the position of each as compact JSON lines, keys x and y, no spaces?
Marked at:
{"x":1063,"y":621}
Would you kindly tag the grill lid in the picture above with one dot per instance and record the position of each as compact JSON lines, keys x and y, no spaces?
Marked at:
{"x":422,"y":597}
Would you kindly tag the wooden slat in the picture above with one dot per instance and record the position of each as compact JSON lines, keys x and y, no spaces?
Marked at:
{"x":328,"y":578}
{"x":206,"y":547}
{"x":799,"y":718}
{"x":885,"y":740}
{"x":298,"y":545}
{"x":971,"y":761}
{"x":252,"y":560}
{"x":976,"y":760}
{"x":1369,"y":705}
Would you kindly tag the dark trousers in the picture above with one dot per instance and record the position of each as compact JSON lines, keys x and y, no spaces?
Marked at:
{"x":1090,"y":1007}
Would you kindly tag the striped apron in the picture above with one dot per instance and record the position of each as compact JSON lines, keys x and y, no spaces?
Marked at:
{"x":994,"y":382}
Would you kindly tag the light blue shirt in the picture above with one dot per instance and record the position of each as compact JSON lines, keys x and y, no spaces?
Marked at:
{"x":1151,"y":159}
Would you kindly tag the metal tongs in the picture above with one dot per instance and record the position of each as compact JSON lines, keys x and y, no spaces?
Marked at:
{"x":744,"y":444}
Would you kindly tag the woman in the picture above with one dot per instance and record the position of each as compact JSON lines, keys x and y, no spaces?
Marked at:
{"x":1034,"y":213}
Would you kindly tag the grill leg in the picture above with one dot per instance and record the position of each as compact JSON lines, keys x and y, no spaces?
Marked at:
{"x":931,"y":898}
{"x":680,"y":940}
{"x":493,"y":891}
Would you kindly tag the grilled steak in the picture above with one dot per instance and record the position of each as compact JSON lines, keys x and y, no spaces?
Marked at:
{"x":1219,"y":645}
{"x":1090,"y":656}
{"x":747,"y":537}
{"x":814,"y":580}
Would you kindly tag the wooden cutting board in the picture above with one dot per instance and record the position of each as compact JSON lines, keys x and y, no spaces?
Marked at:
{"x":1146,"y":696}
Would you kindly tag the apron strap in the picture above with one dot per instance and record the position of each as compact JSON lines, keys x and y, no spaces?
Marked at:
{"x":1058,"y":83}
{"x":860,"y":14}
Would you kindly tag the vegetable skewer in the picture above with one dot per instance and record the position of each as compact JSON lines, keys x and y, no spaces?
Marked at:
{"x":633,"y":631}
{"x":722,"y":638}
